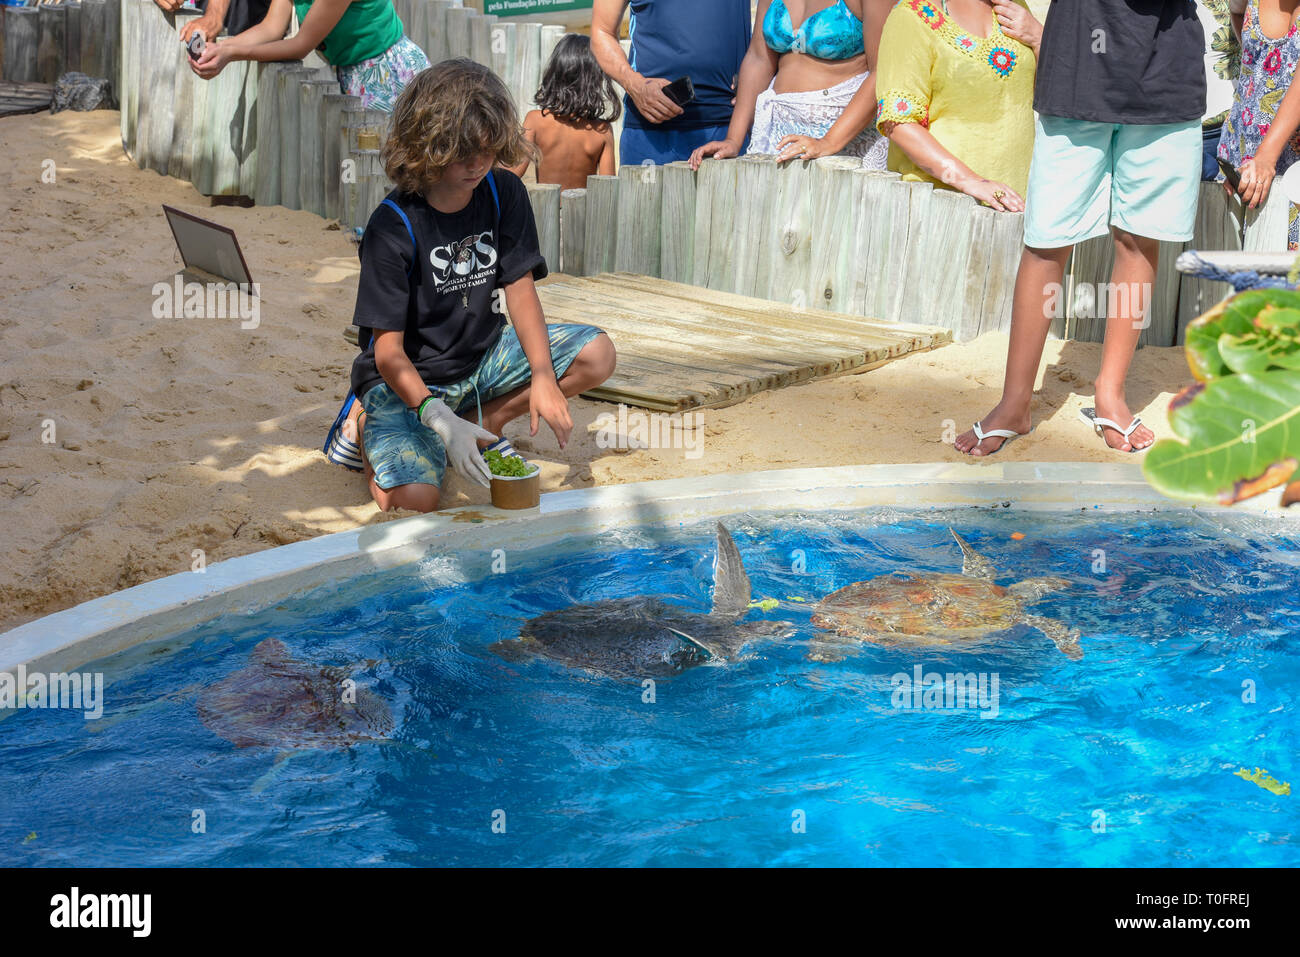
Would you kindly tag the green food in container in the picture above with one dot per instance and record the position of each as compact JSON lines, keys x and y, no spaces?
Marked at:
{"x":511,"y":465}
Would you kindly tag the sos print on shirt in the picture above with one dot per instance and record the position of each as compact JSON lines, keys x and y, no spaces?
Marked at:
{"x":462,"y":265}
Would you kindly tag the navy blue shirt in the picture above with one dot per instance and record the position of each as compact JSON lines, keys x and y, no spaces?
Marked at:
{"x":702,"y":39}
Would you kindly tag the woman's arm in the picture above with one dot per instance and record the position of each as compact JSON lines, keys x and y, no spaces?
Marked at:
{"x":757,"y":68}
{"x":1257,"y":173}
{"x":545,"y":400}
{"x":930,"y":155}
{"x":263,"y":42}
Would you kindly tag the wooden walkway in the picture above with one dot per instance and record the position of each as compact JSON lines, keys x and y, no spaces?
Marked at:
{"x":16,"y":98}
{"x":684,"y":347}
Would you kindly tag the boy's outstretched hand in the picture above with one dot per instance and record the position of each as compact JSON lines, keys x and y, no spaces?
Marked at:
{"x":546,"y":401}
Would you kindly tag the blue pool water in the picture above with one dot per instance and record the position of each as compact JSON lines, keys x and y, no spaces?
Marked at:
{"x":1125,"y":758}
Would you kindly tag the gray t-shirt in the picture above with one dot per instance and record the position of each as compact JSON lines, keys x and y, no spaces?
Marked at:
{"x":1138,"y":62}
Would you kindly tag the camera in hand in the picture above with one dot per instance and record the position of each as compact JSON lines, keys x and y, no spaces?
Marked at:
{"x":196,"y":44}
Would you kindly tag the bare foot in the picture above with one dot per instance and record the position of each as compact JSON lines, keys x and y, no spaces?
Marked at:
{"x":1015,"y":420}
{"x":1117,"y":411}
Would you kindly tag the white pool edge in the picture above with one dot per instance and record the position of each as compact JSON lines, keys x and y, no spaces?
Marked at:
{"x":69,"y":639}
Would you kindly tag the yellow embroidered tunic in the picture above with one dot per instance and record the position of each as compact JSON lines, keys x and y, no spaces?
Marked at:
{"x":975,"y":96}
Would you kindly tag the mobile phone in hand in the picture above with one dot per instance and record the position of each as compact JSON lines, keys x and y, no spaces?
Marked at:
{"x":680,"y":91}
{"x":1230,"y":174}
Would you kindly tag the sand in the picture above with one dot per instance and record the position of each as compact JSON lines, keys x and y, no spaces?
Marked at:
{"x":173,"y":436}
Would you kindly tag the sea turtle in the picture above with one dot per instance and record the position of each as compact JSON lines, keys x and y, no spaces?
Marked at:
{"x":279,"y":701}
{"x":645,"y":636}
{"x":905,"y":610}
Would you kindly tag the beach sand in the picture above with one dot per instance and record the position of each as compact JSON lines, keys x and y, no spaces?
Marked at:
{"x":128,"y":442}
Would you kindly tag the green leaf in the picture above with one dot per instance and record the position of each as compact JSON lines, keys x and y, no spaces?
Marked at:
{"x":1258,"y":351}
{"x":1234,"y":317}
{"x":1233,"y":430}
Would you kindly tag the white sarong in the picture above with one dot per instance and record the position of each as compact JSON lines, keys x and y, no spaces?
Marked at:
{"x":812,"y":113}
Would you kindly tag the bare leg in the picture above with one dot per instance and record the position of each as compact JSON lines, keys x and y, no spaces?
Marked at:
{"x":1038,"y":281}
{"x":1132,"y":281}
{"x":415,"y":497}
{"x":590,"y":367}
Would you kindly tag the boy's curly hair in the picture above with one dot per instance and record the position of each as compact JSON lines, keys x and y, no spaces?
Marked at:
{"x":574,"y":85}
{"x":448,"y":114}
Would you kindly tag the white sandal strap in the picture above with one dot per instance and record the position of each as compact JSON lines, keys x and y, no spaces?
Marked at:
{"x":981,"y":435}
{"x":1099,"y":422}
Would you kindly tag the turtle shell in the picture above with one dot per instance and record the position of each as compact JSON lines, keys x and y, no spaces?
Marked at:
{"x":925,"y":609}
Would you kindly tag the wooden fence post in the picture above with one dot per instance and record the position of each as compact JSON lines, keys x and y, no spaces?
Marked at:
{"x":480,"y":39}
{"x":525,"y":68}
{"x":834,"y":195}
{"x":182,"y":105}
{"x":52,"y":43}
{"x":640,"y":202}
{"x":311,"y":192}
{"x":22,"y":43}
{"x":503,"y":52}
{"x":573,"y":231}
{"x":545,"y":200}
{"x":436,"y":35}
{"x":333,"y":106}
{"x":602,"y":224}
{"x":458,"y":31}
{"x":715,"y":217}
{"x":677,"y":223}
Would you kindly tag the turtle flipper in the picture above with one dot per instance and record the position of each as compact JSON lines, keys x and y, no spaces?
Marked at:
{"x":700,"y":646}
{"x":973,"y":563}
{"x":1032,"y":589}
{"x":1065,"y":638}
{"x":731,"y":591}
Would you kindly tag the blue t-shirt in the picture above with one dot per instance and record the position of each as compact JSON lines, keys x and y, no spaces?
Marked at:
{"x":702,"y":39}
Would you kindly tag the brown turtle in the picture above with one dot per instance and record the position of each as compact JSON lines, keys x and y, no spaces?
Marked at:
{"x":280,"y":701}
{"x":934,"y":608}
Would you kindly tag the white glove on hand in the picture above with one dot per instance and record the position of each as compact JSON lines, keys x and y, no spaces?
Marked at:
{"x":460,"y":439}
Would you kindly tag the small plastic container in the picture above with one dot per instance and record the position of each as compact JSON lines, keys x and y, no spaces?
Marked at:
{"x":518,"y":491}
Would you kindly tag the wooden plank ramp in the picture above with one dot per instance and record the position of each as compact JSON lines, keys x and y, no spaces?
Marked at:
{"x":684,"y":347}
{"x":16,"y":98}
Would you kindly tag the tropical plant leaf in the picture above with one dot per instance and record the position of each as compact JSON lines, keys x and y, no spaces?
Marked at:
{"x":1258,"y":351}
{"x":1233,"y":317}
{"x":1237,"y":435}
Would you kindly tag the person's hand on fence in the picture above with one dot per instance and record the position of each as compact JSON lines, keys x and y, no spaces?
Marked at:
{"x":171,"y":6}
{"x":998,"y":195}
{"x":651,"y":103}
{"x":210,"y":23}
{"x":546,"y":401}
{"x":1257,"y":178}
{"x":213,"y":61}
{"x":718,"y":149}
{"x":795,"y":146}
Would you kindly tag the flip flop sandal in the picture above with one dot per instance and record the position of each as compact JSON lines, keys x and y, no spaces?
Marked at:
{"x":338,"y":448}
{"x":1099,"y":425}
{"x":1006,"y":434}
{"x":503,"y":446}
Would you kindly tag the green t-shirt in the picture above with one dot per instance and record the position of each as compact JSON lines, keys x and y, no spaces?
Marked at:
{"x":366,"y":29}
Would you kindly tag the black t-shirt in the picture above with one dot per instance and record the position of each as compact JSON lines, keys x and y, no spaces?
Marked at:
{"x":242,"y":14}
{"x":447,"y":307}
{"x":1122,"y":61}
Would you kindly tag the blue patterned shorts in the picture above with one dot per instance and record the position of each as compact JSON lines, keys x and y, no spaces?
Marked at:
{"x":380,"y":80}
{"x":403,"y":450}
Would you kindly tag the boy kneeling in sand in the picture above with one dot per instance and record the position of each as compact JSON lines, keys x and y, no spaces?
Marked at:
{"x":438,"y":354}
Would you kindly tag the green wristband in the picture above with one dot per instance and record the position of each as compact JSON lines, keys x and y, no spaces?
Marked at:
{"x":419,"y":410}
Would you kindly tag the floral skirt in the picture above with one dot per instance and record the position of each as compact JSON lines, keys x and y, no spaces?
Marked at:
{"x":812,"y":113}
{"x":380,"y":80}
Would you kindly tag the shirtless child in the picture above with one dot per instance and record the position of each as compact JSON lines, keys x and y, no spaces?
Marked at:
{"x":571,"y":127}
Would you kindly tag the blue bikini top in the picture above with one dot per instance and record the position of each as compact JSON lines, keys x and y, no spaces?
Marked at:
{"x":830,"y":34}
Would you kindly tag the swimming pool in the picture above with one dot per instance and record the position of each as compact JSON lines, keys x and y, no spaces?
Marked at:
{"x":1124,"y":758}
